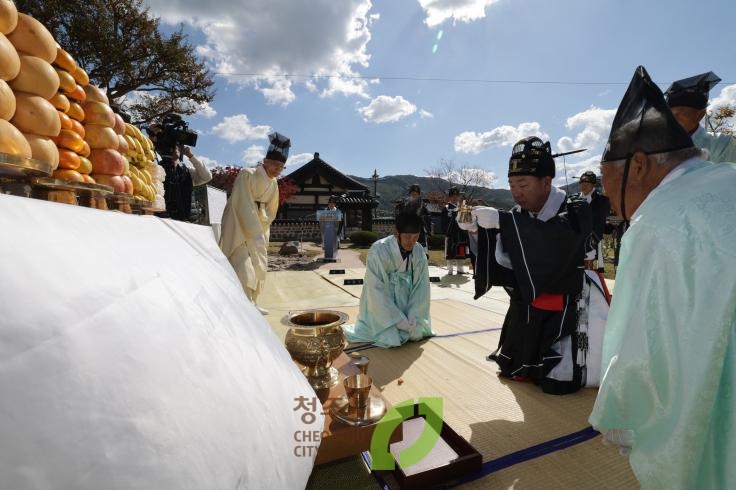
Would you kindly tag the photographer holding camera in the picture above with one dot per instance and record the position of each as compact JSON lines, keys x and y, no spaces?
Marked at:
{"x":173,"y":140}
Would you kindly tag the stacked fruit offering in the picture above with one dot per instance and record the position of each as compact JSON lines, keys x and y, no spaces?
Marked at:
{"x":74,"y":151}
{"x":33,"y":82}
{"x":108,"y":165}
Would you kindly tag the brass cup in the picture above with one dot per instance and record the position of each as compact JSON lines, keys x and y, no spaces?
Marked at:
{"x":360,"y":361}
{"x":357,"y":388}
{"x":465,"y":214}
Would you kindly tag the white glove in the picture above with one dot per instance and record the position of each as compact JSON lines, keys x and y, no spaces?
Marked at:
{"x":623,"y":438}
{"x":471,"y":227}
{"x":486,"y":216}
{"x":260,"y":240}
{"x":406,"y":326}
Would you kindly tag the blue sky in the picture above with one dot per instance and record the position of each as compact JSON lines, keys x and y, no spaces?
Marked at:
{"x":399,"y":85}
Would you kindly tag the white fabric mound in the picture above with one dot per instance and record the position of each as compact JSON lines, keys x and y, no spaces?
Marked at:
{"x":131,"y":359}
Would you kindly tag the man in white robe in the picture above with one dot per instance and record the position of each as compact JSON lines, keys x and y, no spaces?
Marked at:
{"x":669,"y":353}
{"x":394,"y":304}
{"x":246,"y":221}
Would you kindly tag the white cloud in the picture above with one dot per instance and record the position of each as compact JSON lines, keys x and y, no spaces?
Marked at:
{"x":297,"y":160}
{"x":239,"y":128}
{"x":208,"y":162}
{"x":266,"y":39}
{"x":206,"y":111}
{"x":472,"y":142}
{"x":425,"y":114}
{"x":596,"y":124}
{"x":575,"y":169}
{"x":385,"y":109}
{"x":438,"y":11}
{"x":254,"y":154}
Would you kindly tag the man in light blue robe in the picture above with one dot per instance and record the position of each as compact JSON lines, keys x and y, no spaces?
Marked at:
{"x":669,"y":352}
{"x":394,"y":304}
{"x":688,"y":100}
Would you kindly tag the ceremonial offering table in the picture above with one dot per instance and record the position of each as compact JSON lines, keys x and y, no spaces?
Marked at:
{"x":340,"y":439}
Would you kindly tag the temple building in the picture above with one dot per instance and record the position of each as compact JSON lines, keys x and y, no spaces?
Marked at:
{"x":317,"y":180}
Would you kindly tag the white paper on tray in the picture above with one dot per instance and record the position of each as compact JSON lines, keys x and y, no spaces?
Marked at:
{"x":130,"y":358}
{"x":441,"y":455}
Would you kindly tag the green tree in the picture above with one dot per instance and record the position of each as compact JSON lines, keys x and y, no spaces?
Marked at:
{"x":121,"y":46}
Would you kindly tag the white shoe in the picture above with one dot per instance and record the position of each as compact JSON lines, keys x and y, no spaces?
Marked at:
{"x":450,"y":270}
{"x":263,"y":311}
{"x":461,"y":269}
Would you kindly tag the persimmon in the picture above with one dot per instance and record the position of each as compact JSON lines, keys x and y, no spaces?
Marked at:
{"x":76,"y":112}
{"x":78,"y":94}
{"x":64,"y":60}
{"x":70,"y":140}
{"x":66,"y":121}
{"x":66,"y":80}
{"x":68,"y":159}
{"x":78,"y":128}
{"x":85,"y":166}
{"x":80,"y":76}
{"x":67,"y":174}
{"x":60,"y":101}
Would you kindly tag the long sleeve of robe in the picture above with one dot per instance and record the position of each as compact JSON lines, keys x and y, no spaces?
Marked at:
{"x":393,"y":291}
{"x":246,"y":225}
{"x":669,"y":352}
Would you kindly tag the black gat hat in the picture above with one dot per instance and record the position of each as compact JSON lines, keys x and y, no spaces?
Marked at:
{"x":692,"y":91}
{"x":644,"y":122}
{"x":532,"y":156}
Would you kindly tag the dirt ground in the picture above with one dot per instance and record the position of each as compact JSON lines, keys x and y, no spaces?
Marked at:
{"x":309,"y":258}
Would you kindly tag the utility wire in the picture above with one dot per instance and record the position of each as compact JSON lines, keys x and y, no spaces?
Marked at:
{"x":423,"y":79}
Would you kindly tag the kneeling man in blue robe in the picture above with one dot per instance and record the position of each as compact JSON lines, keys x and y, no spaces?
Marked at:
{"x":394,"y":304}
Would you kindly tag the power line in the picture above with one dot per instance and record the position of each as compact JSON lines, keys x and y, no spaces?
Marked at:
{"x":417,"y":79}
{"x":427,"y":79}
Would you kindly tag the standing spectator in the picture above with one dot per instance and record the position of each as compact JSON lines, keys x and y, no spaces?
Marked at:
{"x":670,"y":345}
{"x":413,"y":204}
{"x":456,"y":239}
{"x":180,"y":178}
{"x":246,"y":221}
{"x":600,"y":208}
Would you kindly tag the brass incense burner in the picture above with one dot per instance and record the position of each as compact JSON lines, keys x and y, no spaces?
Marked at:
{"x":314,"y":340}
{"x":465,"y":214}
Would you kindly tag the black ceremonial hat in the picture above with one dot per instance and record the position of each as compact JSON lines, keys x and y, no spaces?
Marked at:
{"x":691,"y":92}
{"x":409,"y":222}
{"x":589,"y":177}
{"x":643,"y":122}
{"x":415,"y":188}
{"x":279,"y":148}
{"x":532,"y":156}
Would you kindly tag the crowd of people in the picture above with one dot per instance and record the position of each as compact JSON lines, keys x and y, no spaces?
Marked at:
{"x":662,"y":350}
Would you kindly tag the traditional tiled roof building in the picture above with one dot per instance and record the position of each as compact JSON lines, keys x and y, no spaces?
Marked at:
{"x":317,"y":181}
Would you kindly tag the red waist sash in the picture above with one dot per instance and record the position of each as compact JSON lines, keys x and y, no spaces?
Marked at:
{"x":549,"y":302}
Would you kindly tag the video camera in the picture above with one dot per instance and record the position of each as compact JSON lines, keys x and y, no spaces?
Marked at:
{"x":173,"y":131}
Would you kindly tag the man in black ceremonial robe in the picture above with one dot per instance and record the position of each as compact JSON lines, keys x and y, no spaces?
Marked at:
{"x":536,"y":252}
{"x":600,"y":207}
